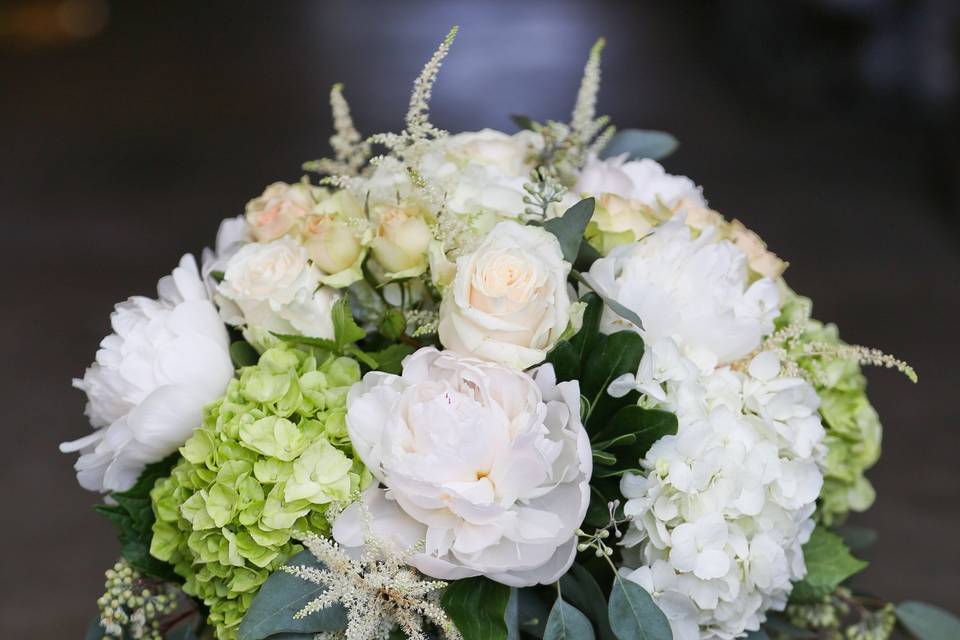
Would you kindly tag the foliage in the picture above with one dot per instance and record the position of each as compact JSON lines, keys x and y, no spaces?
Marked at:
{"x":829,"y":563}
{"x":271,"y":458}
{"x":927,"y":622}
{"x":477,"y":606}
{"x":281,"y":597}
{"x":133,"y":516}
{"x":634,"y":615}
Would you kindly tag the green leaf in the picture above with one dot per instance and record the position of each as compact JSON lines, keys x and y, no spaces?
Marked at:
{"x":631,"y":432}
{"x":133,"y":517}
{"x":569,"y":227}
{"x":856,"y":537}
{"x":928,"y":622}
{"x":633,"y":613}
{"x":282,"y":596}
{"x":522,"y":121}
{"x":639,"y":144}
{"x":567,"y":623}
{"x":477,"y":606}
{"x":565,"y":361}
{"x":345,"y":328}
{"x":615,"y":355}
{"x":242,"y":354}
{"x":390,"y":359}
{"x":579,"y":587}
{"x":393,"y":324}
{"x":828,"y":563}
{"x":585,"y":339}
{"x":759,"y":634}
{"x":320,"y":343}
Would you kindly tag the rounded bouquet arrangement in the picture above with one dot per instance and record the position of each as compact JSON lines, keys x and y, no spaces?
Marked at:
{"x":485,"y":386}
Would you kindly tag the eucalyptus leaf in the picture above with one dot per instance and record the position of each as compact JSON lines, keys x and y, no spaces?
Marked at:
{"x":478,"y":607}
{"x":281,"y":597}
{"x":639,"y":144}
{"x":95,"y":631}
{"x":569,"y":227}
{"x":532,"y":612}
{"x":622,"y":311}
{"x":566,"y":622}
{"x":759,"y":634}
{"x":633,"y":613}
{"x":582,"y":591}
{"x":856,"y":537}
{"x":511,"y":615}
{"x":928,"y":622}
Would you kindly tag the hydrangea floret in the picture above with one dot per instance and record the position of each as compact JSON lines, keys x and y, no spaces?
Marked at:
{"x":272,"y":460}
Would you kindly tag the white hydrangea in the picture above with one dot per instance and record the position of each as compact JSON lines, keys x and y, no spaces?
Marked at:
{"x":693,"y":289}
{"x":719,"y":520}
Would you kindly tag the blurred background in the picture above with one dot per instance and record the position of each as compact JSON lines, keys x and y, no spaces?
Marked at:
{"x":128,"y":130}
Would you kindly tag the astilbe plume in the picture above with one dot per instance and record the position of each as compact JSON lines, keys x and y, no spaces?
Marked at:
{"x":380,"y":591}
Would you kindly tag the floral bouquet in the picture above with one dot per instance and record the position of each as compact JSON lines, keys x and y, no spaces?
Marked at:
{"x":484,"y":386}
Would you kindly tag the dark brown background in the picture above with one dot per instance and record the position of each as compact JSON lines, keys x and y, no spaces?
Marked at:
{"x":826,"y":126}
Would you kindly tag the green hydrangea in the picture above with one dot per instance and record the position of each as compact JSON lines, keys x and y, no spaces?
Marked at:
{"x":270,"y":460}
{"x":853,"y":429}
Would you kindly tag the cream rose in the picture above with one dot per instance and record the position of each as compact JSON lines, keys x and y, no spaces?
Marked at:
{"x":508,"y":302}
{"x":334,"y":244}
{"x":272,"y":286}
{"x":488,"y":467}
{"x":278,"y":209}
{"x":762,"y":261}
{"x":618,"y":221}
{"x":401,"y":238}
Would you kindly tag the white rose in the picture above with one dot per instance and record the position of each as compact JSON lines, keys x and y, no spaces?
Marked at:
{"x":274,"y":287}
{"x":695,"y":290}
{"x":644,"y":180}
{"x":508,"y":301}
{"x":487,"y":466}
{"x":508,"y":154}
{"x":166,"y":359}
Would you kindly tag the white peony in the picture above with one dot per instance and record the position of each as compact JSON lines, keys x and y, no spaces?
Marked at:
{"x":726,"y":504}
{"x":165,"y":360}
{"x":695,"y":290}
{"x":489,"y":467}
{"x":508,"y":302}
{"x":274,"y":287}
{"x":643,"y":180}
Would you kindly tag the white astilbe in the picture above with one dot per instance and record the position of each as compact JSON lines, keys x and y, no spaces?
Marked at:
{"x":584,"y":122}
{"x":380,"y":591}
{"x":350,"y":150}
{"x":419,"y":128}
